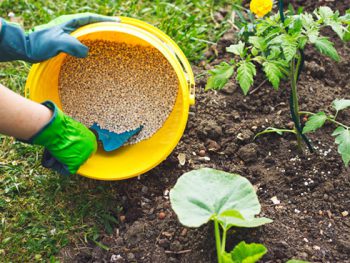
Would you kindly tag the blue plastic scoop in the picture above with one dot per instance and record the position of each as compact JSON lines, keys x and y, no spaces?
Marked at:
{"x":111,"y":140}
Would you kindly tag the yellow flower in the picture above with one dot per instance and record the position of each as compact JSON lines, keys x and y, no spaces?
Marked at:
{"x":261,"y":7}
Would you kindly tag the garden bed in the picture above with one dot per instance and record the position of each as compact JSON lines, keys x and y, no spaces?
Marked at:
{"x":311,"y":220}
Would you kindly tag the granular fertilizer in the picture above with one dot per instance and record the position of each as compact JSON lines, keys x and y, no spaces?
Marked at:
{"x":120,"y":87}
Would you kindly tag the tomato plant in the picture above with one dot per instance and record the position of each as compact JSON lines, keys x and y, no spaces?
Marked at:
{"x":276,"y":42}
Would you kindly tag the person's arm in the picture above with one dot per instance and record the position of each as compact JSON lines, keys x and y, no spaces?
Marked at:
{"x":20,"y":117}
{"x":68,"y":143}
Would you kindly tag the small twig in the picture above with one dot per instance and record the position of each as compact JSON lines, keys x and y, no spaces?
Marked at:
{"x":200,"y":75}
{"x":258,"y":87}
{"x":178,"y":252}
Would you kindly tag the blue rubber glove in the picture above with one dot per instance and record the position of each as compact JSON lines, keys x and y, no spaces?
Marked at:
{"x":46,"y":41}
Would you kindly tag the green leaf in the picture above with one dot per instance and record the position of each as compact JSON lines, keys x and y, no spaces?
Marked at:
{"x":232,"y":213}
{"x":346,"y":36}
{"x":339,"y":105}
{"x":255,"y":51}
{"x":311,"y":27}
{"x":273,"y":130}
{"x":232,"y":217}
{"x":258,"y":42}
{"x":275,"y":53}
{"x":248,"y":253}
{"x":273,"y":73}
{"x":338,"y":28}
{"x":237,"y":49}
{"x":201,"y":195}
{"x":302,"y":42}
{"x":295,"y":27}
{"x":325,"y":13}
{"x":332,"y":19}
{"x":343,"y":140}
{"x":288,"y":43}
{"x":226,"y":258}
{"x":307,"y":20}
{"x":315,"y":122}
{"x":346,"y":20}
{"x":297,"y":261}
{"x":326,"y":47}
{"x":219,"y":76}
{"x":289,"y":47}
{"x":245,"y":75}
{"x":313,"y":35}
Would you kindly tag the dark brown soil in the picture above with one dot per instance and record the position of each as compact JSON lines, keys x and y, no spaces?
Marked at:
{"x":313,"y":188}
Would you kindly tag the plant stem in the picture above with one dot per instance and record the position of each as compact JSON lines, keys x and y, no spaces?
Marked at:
{"x":223,"y":242}
{"x":218,"y":240}
{"x":294,"y":79}
{"x":328,"y":119}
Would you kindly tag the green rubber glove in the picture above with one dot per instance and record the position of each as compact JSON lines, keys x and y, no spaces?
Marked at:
{"x":68,"y":143}
{"x":46,"y":41}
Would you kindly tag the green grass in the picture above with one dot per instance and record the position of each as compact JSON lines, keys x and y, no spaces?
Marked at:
{"x":40,"y":211}
{"x":189,"y":23}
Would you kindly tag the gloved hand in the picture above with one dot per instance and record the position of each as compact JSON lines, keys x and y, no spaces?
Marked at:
{"x":68,"y":143}
{"x":46,"y":41}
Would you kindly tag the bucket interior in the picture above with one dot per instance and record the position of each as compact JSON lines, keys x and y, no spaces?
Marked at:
{"x":131,"y":160}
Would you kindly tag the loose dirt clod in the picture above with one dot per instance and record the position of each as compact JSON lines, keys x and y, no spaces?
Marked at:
{"x":120,"y":87}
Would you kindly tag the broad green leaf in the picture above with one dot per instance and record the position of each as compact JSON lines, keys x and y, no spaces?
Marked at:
{"x":297,"y":261}
{"x":248,"y":253}
{"x":231,"y":218}
{"x":326,"y":47}
{"x":219,"y":76}
{"x":341,"y":104}
{"x":315,"y":122}
{"x":237,"y":49}
{"x":258,"y":42}
{"x":245,"y":75}
{"x":273,"y":73}
{"x":343,"y":140}
{"x":202,"y":194}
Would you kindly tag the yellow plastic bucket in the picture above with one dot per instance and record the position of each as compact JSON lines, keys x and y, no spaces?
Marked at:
{"x":131,"y":160}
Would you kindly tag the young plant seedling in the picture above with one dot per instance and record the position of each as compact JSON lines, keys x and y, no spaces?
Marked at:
{"x":277,"y":44}
{"x":227,"y":199}
{"x":342,"y":131}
